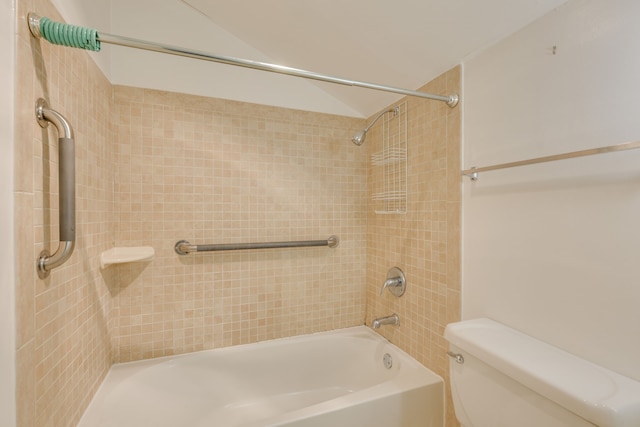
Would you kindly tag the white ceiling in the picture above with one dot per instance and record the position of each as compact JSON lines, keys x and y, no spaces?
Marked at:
{"x":403,"y":43}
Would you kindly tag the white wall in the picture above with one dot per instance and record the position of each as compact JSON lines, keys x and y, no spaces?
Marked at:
{"x":554,"y":249}
{"x":92,"y":14}
{"x":174,"y":23}
{"x":7,"y":276}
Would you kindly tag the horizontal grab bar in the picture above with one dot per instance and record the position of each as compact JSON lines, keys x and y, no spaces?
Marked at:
{"x":183,"y":247}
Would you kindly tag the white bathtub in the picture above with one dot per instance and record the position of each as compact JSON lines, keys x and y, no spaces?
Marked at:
{"x":335,"y":379}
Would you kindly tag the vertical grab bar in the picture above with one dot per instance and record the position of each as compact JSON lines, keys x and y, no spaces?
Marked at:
{"x":66,"y":190}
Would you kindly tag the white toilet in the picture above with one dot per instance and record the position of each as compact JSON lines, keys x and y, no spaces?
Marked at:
{"x":503,"y":378}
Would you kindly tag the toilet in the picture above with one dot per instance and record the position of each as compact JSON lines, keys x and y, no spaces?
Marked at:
{"x":501,"y":377}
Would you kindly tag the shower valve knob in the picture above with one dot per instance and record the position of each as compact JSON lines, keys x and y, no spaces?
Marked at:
{"x":396,"y":282}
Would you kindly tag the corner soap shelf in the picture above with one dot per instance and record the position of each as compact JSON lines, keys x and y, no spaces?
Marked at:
{"x":121,"y":255}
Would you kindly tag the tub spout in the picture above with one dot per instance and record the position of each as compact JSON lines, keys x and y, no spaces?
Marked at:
{"x":389,"y":320}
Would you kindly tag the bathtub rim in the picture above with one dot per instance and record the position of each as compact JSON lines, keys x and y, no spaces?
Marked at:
{"x":120,"y":372}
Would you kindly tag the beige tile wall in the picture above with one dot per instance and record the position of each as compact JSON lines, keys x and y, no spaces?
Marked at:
{"x":63,"y":348}
{"x":215,"y":171}
{"x":156,"y":167}
{"x":425,"y":242}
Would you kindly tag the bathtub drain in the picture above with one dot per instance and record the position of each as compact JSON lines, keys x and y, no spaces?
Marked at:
{"x":387,"y":361}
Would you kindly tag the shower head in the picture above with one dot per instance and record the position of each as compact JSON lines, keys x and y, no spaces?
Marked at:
{"x":359,"y":137}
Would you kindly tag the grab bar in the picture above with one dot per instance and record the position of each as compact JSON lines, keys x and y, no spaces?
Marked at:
{"x":67,"y":189}
{"x":183,"y":247}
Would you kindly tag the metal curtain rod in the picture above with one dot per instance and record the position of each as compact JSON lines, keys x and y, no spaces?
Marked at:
{"x":86,"y":38}
{"x":183,"y":247}
{"x":473,"y":172}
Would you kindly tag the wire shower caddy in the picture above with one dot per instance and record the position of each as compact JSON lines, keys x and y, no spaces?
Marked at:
{"x":393,"y":162}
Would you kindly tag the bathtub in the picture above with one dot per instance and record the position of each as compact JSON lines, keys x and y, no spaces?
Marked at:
{"x":346,"y":378}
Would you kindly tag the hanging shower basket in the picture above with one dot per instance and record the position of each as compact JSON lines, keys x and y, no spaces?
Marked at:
{"x":392,"y":164}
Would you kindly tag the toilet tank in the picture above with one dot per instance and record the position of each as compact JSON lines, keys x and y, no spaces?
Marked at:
{"x":510,"y":379}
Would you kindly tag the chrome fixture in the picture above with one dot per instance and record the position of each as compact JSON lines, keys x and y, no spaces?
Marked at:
{"x":359,"y":137}
{"x":184,"y":248}
{"x":473,"y":172}
{"x":396,"y":282}
{"x":389,"y":320}
{"x":66,"y":189}
{"x":459,"y":358}
{"x":387,"y":361}
{"x":61,"y":34}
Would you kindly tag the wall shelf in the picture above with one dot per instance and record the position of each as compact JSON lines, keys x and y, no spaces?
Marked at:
{"x":121,"y":255}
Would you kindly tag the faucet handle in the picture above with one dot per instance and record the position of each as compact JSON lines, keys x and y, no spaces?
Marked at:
{"x":391,"y":283}
{"x":396,"y":282}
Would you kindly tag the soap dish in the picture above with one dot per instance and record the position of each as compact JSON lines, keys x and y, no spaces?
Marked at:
{"x":121,"y":255}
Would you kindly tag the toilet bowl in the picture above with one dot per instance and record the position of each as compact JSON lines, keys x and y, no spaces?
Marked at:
{"x":501,"y":377}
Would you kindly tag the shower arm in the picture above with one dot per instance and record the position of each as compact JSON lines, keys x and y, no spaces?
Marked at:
{"x":373,"y":122}
{"x":90,"y":39}
{"x":67,"y":189}
{"x":359,"y":137}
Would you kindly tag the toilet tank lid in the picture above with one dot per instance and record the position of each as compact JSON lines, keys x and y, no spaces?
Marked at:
{"x":593,"y":392}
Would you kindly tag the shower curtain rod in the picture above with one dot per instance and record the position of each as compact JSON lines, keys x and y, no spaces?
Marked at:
{"x":87,"y":38}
